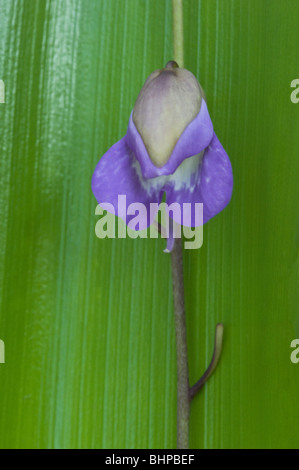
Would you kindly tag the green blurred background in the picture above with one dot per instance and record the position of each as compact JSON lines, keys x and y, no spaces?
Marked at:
{"x":88,"y":323}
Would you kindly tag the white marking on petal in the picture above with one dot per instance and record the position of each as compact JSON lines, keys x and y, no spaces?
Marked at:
{"x":181,"y":177}
{"x":183,"y":174}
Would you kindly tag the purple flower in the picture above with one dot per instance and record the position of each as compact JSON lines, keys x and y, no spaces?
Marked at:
{"x":170,"y":147}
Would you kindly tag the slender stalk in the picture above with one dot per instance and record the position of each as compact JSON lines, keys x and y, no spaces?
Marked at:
{"x":213,"y":364}
{"x":185,"y":393}
{"x":183,"y":390}
{"x":178,"y":32}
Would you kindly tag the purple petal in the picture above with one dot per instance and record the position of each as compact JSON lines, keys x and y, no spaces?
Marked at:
{"x":118,"y":174}
{"x":211,"y":185}
{"x":195,"y":138}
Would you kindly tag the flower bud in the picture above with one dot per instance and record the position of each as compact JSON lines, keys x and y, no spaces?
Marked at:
{"x":169,"y":100}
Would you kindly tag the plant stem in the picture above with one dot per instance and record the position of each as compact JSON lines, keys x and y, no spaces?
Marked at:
{"x":178,"y":32}
{"x":213,"y":364}
{"x":185,"y":393}
{"x":183,"y":390}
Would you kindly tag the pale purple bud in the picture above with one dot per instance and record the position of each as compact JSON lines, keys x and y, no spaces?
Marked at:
{"x":169,"y":100}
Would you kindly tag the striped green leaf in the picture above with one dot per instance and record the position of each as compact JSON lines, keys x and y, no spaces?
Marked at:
{"x":88,"y":324}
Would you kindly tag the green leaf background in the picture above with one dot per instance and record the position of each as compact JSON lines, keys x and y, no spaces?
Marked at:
{"x":88,"y":323}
